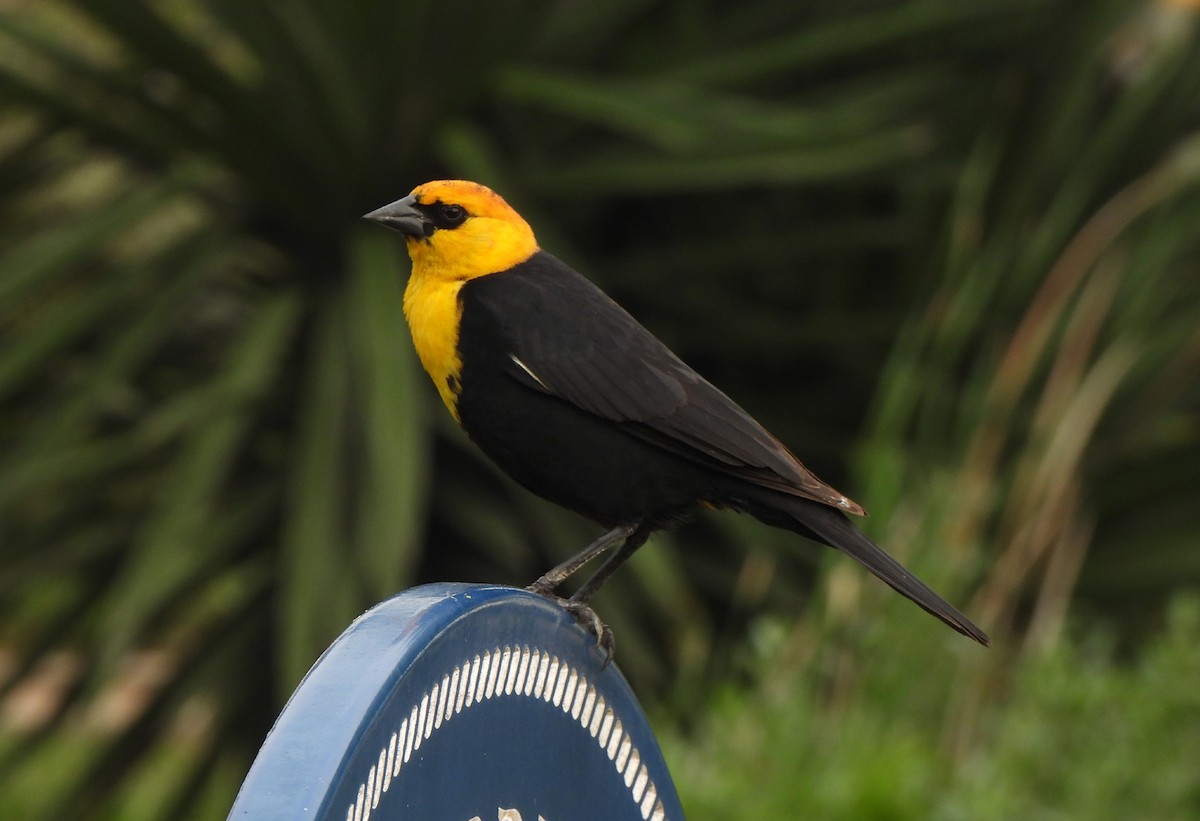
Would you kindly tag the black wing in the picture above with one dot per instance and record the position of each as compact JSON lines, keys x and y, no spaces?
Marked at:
{"x":569,"y":339}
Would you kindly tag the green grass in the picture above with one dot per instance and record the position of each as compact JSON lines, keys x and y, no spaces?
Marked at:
{"x":1069,"y":733}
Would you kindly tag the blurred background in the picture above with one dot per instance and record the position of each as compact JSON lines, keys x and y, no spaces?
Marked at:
{"x":949,"y":252}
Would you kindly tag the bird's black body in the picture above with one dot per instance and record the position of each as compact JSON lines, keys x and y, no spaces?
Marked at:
{"x":578,"y":402}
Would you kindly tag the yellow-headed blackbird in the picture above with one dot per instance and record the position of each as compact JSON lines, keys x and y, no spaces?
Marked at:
{"x":574,"y":399}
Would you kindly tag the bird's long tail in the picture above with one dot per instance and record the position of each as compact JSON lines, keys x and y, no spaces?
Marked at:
{"x":834,"y":528}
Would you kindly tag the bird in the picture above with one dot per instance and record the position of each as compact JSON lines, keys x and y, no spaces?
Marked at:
{"x":578,"y":402}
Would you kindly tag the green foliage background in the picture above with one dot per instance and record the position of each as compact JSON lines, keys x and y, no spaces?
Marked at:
{"x":948,"y":251}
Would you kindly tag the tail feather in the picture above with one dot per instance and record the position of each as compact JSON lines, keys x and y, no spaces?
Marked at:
{"x":835,"y":529}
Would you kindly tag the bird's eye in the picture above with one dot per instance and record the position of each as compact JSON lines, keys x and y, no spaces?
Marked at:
{"x":452,"y":215}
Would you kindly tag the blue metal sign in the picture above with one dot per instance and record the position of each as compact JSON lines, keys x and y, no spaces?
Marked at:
{"x":456,"y":702}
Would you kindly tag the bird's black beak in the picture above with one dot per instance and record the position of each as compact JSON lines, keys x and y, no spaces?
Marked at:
{"x":403,"y":216}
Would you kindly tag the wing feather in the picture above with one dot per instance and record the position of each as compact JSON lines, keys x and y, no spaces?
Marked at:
{"x":569,"y":339}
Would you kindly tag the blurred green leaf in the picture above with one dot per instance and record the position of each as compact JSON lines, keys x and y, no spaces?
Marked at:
{"x":388,"y":524}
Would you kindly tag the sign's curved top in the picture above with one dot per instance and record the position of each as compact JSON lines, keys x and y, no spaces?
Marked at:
{"x":463,"y":703}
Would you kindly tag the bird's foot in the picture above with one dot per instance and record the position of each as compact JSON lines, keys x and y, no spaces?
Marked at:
{"x":583,"y":613}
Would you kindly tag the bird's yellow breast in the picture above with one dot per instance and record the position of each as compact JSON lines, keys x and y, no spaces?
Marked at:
{"x":434,"y":313}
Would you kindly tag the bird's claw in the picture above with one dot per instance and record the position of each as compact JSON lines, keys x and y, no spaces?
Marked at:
{"x":586,"y":616}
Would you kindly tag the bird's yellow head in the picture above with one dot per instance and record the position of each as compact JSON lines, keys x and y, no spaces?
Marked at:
{"x":458,"y":230}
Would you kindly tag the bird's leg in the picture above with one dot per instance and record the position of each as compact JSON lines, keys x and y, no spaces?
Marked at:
{"x":635,"y":539}
{"x":553,"y":578}
{"x":578,"y":605}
